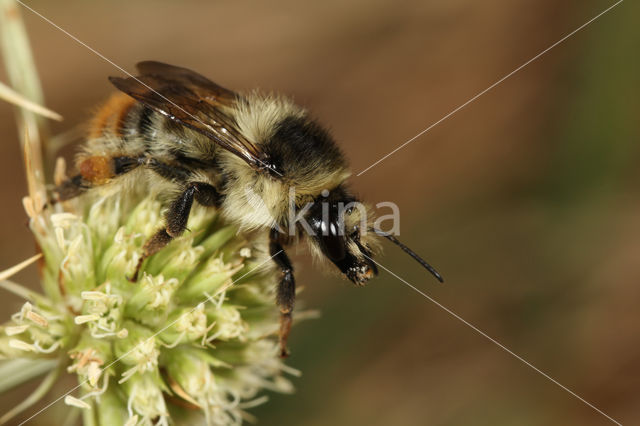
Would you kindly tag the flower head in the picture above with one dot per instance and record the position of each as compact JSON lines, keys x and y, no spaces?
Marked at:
{"x":194,"y":331}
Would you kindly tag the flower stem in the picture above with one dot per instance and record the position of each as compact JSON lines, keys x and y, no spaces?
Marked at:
{"x":23,"y":77}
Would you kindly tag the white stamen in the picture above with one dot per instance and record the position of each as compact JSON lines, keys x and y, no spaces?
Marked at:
{"x":81,"y":319}
{"x":127,"y":374}
{"x":48,"y":350}
{"x":23,"y":346}
{"x":75,"y":402}
{"x":62,"y":220}
{"x":93,"y":373}
{"x":16,"y":329}
{"x":59,"y":237}
{"x":288,"y":369}
{"x":254,"y":402}
{"x":205,"y":335}
{"x":213,"y":337}
{"x":37,"y":318}
{"x":100,"y":391}
{"x":26,"y":308}
{"x":93,"y":295}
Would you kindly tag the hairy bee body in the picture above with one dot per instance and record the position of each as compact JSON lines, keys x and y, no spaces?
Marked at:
{"x":170,"y":154}
{"x":260,"y":159}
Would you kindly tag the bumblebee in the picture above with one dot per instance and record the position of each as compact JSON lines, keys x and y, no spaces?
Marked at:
{"x":204,"y":143}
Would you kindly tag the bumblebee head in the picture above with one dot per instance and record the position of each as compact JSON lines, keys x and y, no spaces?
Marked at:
{"x":340,"y":229}
{"x":335,"y":233}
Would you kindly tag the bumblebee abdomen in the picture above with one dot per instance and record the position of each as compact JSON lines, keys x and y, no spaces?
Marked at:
{"x":112,"y":116}
{"x":123,"y":125}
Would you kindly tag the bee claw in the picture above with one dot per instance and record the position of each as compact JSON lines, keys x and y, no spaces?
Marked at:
{"x":134,"y":277}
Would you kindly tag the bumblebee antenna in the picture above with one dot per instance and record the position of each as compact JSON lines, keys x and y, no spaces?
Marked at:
{"x":411,"y":253}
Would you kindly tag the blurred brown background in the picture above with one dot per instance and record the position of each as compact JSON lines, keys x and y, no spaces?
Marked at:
{"x":526,"y":200}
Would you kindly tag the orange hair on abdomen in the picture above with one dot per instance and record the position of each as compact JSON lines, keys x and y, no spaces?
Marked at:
{"x":109,"y":118}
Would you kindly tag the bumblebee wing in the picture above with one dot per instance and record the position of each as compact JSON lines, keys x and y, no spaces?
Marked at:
{"x":194,"y":101}
{"x":201,"y":85}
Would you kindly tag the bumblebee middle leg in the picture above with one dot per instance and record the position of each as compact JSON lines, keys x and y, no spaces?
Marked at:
{"x":286,"y":293}
{"x":177,"y":217}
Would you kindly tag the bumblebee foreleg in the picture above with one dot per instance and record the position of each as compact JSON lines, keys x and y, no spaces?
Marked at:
{"x":177,"y":217}
{"x":286,"y":292}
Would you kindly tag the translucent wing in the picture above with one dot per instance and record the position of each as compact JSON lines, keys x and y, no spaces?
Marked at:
{"x":194,"y":101}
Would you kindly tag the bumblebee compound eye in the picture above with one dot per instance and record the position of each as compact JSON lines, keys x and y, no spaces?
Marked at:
{"x":328,"y":231}
{"x":357,"y":268}
{"x":332,"y":243}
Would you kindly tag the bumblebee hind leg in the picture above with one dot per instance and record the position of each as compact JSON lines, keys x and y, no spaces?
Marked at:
{"x":95,"y":171}
{"x":71,"y":188}
{"x":177,"y":217}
